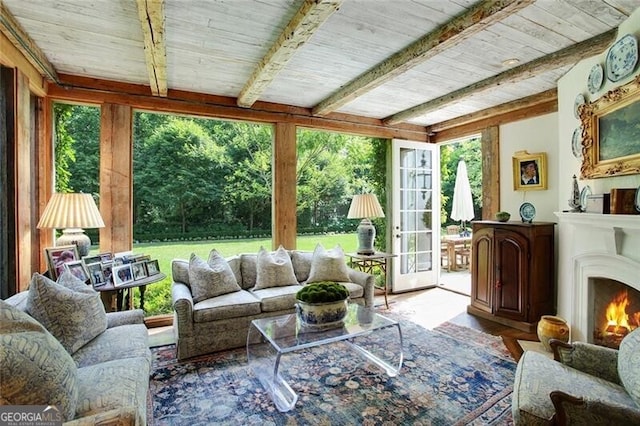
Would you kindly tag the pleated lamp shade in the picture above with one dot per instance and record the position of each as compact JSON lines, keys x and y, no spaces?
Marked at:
{"x":72,"y":212}
{"x":365,"y":206}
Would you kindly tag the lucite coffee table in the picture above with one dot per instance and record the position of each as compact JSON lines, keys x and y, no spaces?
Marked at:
{"x":375,"y":337}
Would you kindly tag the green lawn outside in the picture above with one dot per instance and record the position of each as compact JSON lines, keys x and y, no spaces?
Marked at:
{"x":158,"y":296}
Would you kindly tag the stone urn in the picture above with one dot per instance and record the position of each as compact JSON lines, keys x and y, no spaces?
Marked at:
{"x":322,"y":305}
{"x":552,"y":327}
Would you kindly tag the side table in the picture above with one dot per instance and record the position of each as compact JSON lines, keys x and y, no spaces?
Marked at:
{"x":369,"y":262}
{"x":141,"y":284}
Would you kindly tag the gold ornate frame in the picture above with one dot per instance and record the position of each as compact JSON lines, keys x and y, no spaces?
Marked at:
{"x":590,"y":115}
{"x":539,"y":159}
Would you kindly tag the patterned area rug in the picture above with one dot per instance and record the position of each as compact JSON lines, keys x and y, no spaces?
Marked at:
{"x":451,"y":375}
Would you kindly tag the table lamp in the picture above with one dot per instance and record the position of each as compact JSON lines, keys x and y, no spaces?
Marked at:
{"x":72,"y":212}
{"x":365,"y":207}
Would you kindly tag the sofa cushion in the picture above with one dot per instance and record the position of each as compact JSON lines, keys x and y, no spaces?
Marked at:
{"x":114,"y":385}
{"x":274,"y":269}
{"x":235,"y":262}
{"x":277,"y":298}
{"x":537,"y":375}
{"x":301,"y":261}
{"x":71,"y":310}
{"x":249,"y":270}
{"x":231,"y":305}
{"x":210,"y":279}
{"x":36,"y":369}
{"x":356,"y":291}
{"x":124,"y":341}
{"x":180,"y":271}
{"x":328,"y":265}
{"x":629,"y":364}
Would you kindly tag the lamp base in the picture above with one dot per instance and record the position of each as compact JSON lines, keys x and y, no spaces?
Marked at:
{"x":77,"y":237}
{"x":366,"y":235}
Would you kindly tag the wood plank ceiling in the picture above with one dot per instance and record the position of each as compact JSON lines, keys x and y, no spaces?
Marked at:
{"x":425,"y":62}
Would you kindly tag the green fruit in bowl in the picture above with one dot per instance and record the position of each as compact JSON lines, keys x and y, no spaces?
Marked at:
{"x":503,"y":216}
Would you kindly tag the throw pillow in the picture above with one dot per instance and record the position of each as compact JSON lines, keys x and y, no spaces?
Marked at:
{"x":301,"y":261}
{"x":210,"y":279}
{"x":36,"y":369}
{"x":328,"y":265}
{"x":71,"y":310}
{"x":274,"y":270}
{"x":629,"y":364}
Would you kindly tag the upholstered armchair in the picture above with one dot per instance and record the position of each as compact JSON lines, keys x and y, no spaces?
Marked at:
{"x":585,"y":384}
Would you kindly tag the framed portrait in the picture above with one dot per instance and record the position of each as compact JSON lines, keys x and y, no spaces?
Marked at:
{"x":91,"y":259}
{"x":106,"y":257}
{"x":122,"y":274}
{"x":610,"y":133}
{"x":96,"y":275}
{"x":107,"y":271}
{"x":153,"y":267}
{"x":58,"y":256}
{"x":76,"y":268}
{"x":529,"y":171}
{"x":139,"y":270}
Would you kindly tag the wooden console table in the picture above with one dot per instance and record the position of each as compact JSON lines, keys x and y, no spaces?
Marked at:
{"x":116,"y":303}
{"x":369,"y":262}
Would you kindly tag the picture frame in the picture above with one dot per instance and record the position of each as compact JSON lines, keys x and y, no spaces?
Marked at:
{"x":122,"y":274}
{"x":77,"y":269}
{"x":529,"y":171}
{"x":139,"y":270}
{"x":153,"y":267}
{"x":58,"y":256}
{"x":91,"y":259}
{"x":107,"y":271}
{"x":96,"y":274}
{"x":105,"y":257}
{"x":610,"y":137}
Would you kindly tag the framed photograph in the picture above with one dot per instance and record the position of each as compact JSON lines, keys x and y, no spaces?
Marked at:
{"x":96,"y":275}
{"x":139,"y":270}
{"x":529,"y":171}
{"x":76,"y":268}
{"x":58,"y":256}
{"x":610,"y":135}
{"x":107,"y":271}
{"x":122,"y":274}
{"x":153,"y":267}
{"x":91,"y":259}
{"x":106,"y":257}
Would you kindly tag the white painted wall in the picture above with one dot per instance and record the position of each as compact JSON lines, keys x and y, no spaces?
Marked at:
{"x":539,"y":134}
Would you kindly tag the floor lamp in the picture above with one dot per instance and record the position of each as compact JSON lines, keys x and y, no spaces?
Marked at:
{"x":72,"y":212}
{"x":365,"y":207}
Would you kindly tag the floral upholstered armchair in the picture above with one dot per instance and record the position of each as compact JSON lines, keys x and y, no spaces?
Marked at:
{"x":586,"y":384}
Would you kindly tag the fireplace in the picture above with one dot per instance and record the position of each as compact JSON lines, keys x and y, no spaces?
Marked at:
{"x":598,"y":257}
{"x":616,"y":311}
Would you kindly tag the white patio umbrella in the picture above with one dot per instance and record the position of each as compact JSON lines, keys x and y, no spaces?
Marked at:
{"x":462,"y":205}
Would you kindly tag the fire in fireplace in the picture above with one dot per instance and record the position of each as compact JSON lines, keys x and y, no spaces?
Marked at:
{"x":616,"y":312}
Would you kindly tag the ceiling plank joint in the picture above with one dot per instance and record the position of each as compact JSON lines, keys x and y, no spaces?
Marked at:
{"x":152,"y":20}
{"x":567,"y":56}
{"x":474,"y":20}
{"x":311,"y":15}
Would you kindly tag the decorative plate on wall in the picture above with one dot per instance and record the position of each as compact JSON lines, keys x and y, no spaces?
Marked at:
{"x":580,"y":100}
{"x":576,"y":142}
{"x":527,"y":212}
{"x":596,"y":77}
{"x":622,"y":58}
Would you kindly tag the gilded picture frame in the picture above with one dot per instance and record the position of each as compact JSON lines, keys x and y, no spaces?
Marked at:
{"x":610,"y":136}
{"x":529,"y":171}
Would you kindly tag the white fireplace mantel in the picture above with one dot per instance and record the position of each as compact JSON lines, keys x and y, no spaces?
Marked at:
{"x":593,"y":245}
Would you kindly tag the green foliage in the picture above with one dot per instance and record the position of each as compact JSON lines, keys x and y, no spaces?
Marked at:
{"x":64,"y":152}
{"x":322,"y":292}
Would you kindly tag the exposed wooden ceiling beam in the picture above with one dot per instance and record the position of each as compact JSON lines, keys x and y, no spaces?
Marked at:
{"x":479,"y":17}
{"x":567,"y":56}
{"x":151,"y":16}
{"x":543,"y":97}
{"x":311,"y":15}
{"x":21,"y":40}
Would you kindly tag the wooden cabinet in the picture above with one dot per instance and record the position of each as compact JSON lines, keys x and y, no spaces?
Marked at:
{"x":512,"y":272}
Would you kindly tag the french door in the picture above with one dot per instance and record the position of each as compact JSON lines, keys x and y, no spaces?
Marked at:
{"x":415,"y":215}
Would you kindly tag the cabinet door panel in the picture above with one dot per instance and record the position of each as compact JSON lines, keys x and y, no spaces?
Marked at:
{"x":482,"y":270}
{"x":512,"y":271}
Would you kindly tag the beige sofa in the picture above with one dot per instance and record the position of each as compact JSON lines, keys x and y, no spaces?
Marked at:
{"x":222,"y":322}
{"x":104,"y":380}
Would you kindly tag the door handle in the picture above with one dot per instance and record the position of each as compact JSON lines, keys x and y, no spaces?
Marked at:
{"x":398,"y":235}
